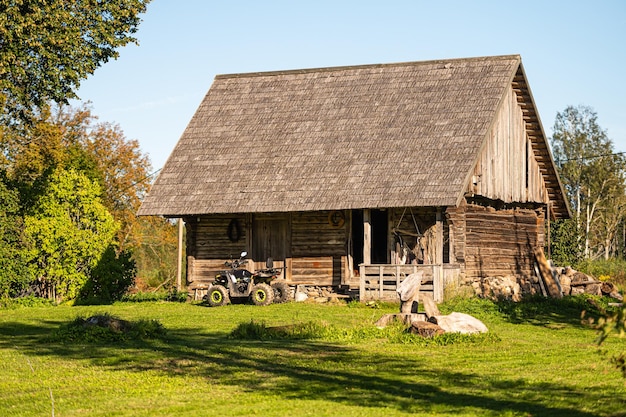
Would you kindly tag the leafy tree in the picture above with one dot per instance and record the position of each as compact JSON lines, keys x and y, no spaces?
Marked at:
{"x":13,"y":274}
{"x":66,"y":138}
{"x":564,"y":242}
{"x":155,"y":241}
{"x":68,"y":230}
{"x":125,"y":174}
{"x":48,"y":48}
{"x":109,"y":158}
{"x":72,"y":138}
{"x":593,"y":176}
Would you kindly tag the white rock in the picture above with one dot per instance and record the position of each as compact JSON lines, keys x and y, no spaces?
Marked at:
{"x":460,"y":323}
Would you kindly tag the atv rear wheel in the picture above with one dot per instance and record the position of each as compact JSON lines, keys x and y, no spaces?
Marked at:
{"x":281,"y":291}
{"x":217,"y":296}
{"x":262,"y":295}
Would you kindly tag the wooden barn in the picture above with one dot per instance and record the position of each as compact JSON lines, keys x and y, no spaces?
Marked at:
{"x":354,"y":177}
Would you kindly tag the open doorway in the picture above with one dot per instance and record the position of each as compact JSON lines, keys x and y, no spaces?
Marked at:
{"x":380,"y":234}
{"x":357,"y":239}
{"x":379,"y":253}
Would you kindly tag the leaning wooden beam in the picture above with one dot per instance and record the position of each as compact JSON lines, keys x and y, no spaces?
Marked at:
{"x":552,"y":285}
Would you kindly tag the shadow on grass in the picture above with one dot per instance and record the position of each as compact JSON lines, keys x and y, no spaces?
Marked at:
{"x":550,"y":311}
{"x":313,"y":371}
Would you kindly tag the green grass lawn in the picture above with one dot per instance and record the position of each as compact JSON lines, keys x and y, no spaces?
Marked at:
{"x":537,"y":361}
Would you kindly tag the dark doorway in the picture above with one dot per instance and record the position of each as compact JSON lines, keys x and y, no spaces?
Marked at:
{"x":380,"y":233}
{"x":357,"y":238}
{"x":379,"y":253}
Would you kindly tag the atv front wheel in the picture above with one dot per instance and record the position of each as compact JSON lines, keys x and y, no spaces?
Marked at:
{"x":281,"y":291}
{"x":217,"y":296}
{"x":262,"y":295}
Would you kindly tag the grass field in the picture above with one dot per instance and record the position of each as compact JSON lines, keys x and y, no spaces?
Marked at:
{"x":537,"y":361}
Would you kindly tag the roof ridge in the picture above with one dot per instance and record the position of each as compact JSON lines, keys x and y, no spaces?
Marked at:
{"x":364,"y":66}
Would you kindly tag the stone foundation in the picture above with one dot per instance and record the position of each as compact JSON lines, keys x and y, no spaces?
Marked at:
{"x":316,"y":293}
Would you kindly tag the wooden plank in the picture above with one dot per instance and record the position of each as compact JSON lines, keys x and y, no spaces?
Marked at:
{"x":546,"y":274}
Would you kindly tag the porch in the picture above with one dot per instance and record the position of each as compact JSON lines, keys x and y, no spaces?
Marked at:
{"x":379,"y":282}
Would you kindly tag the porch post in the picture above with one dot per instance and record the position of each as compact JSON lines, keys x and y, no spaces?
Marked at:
{"x":438,"y":272}
{"x":367,"y":237}
{"x":179,"y":257}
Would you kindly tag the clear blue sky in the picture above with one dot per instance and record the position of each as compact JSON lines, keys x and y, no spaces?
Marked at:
{"x":574,"y":52}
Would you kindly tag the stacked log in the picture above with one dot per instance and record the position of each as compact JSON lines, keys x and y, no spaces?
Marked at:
{"x":574,"y":282}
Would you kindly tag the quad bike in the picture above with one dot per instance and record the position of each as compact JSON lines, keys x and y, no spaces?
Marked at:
{"x":261,"y":287}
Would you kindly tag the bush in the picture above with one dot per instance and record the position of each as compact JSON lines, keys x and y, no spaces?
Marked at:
{"x":141,"y":297}
{"x":614,"y":269}
{"x":110,"y":279}
{"x":107,"y":328}
{"x":565,"y":248}
{"x":14,"y":276}
{"x":28,"y":301}
{"x":259,"y":331}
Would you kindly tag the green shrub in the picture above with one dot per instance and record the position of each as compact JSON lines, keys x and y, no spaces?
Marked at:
{"x":28,"y":301}
{"x":615,"y":269}
{"x":141,"y":297}
{"x":444,"y":339}
{"x":259,"y":331}
{"x":14,"y":274}
{"x":104,"y":328}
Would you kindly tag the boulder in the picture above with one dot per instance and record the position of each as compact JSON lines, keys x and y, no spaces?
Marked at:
{"x":459,"y":323}
{"x":301,"y":293}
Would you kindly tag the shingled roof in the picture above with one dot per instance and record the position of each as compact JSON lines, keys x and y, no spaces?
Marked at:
{"x":372,"y":136}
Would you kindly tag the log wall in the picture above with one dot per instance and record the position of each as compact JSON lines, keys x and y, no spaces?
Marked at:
{"x":501,"y":242}
{"x":482,"y":241}
{"x":316,"y":253}
{"x":209,"y":245}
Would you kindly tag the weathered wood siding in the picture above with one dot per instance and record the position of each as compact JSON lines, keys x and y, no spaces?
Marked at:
{"x":507,"y":169}
{"x":209,"y":246}
{"x":316,"y":252}
{"x":455,"y":217}
{"x":501,"y":242}
{"x":318,"y":249}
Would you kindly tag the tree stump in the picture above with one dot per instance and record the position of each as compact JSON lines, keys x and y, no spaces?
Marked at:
{"x":425,"y":329}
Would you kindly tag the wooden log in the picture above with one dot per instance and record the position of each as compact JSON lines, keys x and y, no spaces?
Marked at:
{"x":430,"y":307}
{"x":405,"y":318}
{"x":425,"y":329}
{"x":541,"y":284}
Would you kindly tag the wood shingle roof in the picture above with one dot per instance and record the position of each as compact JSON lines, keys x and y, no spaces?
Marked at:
{"x":372,"y":136}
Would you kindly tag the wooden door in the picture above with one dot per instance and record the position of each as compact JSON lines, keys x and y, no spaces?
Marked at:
{"x":270,"y":238}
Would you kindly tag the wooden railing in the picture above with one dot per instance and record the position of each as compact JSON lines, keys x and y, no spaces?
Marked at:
{"x":379,"y":282}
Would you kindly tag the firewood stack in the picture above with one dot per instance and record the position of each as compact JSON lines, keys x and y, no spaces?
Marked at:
{"x":574,"y":282}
